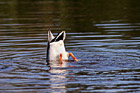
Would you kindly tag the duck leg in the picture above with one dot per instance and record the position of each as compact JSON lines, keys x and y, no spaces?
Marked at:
{"x":71,"y":54}
{"x":61,"y":55}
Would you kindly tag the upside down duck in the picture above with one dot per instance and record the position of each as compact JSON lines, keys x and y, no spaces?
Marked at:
{"x":56,"y":49}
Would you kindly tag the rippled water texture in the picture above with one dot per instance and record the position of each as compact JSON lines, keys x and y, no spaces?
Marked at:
{"x":103,"y":34}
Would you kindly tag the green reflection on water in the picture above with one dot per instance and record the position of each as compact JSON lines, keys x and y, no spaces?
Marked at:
{"x":70,"y":15}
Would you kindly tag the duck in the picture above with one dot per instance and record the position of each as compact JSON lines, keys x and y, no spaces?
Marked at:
{"x":56,"y":48}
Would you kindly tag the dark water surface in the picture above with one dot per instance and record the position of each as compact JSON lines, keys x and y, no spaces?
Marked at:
{"x":103,"y":34}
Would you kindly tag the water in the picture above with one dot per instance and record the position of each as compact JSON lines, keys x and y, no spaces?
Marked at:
{"x":103,"y":35}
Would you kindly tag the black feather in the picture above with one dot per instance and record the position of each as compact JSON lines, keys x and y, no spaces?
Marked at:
{"x":58,"y":37}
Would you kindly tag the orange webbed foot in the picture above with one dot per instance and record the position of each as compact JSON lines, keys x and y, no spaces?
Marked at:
{"x":73,"y":57}
{"x":61,"y":55}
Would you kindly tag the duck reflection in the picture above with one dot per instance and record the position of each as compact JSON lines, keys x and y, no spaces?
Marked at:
{"x":58,"y":75}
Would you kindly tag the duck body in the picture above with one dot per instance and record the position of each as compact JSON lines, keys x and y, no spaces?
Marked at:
{"x":56,"y":46}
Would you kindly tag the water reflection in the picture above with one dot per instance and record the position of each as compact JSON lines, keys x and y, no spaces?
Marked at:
{"x":58,"y":75}
{"x":83,"y":15}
